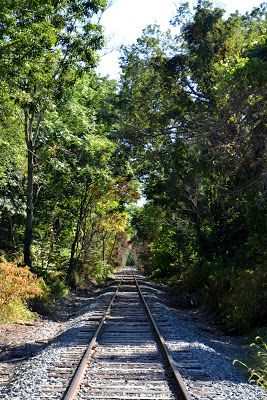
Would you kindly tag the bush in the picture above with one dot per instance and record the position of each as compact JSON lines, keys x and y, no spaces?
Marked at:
{"x":17,"y":286}
{"x":196,"y":276}
{"x":59,"y":289}
{"x":240,"y":297}
{"x":101,"y":270}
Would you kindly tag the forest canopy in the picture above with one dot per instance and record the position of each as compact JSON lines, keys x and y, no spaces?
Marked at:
{"x":193,"y":121}
{"x":185,"y":124}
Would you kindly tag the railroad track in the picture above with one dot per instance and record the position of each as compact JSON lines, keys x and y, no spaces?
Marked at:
{"x":127,"y":357}
{"x":114,"y":350}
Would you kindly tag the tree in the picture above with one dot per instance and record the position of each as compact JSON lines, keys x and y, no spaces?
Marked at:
{"x":43,"y":49}
{"x":193,"y":120}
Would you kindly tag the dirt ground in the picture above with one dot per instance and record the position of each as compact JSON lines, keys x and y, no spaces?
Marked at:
{"x":19,"y":341}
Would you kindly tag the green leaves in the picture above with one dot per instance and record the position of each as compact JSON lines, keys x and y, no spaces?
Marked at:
{"x":193,"y":121}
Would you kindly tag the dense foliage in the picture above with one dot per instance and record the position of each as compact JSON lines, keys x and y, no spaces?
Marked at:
{"x":194,"y":123}
{"x":187,"y":120}
{"x":63,"y":196}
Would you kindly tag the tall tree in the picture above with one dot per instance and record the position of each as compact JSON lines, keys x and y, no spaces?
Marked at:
{"x":194,"y":120}
{"x":43,"y":48}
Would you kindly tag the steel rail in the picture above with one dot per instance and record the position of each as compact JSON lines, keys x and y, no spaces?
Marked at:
{"x":178,"y":380}
{"x":75,"y":383}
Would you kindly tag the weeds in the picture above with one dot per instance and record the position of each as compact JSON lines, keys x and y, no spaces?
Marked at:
{"x":257,"y":374}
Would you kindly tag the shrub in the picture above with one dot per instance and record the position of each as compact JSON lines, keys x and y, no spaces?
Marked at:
{"x":240,"y":297}
{"x":196,"y":276}
{"x":54,"y":286}
{"x":59,"y":289}
{"x":17,"y":286}
{"x":101,"y":270}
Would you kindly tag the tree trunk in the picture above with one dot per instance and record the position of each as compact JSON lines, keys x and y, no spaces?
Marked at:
{"x":29,"y":211}
{"x":109,"y":258}
{"x":71,"y":270}
{"x":103,"y":248}
{"x":32,"y":124}
{"x":29,"y":193}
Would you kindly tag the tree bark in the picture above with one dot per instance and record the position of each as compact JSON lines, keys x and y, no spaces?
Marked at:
{"x":31,"y":135}
{"x":29,"y":192}
{"x":29,"y":211}
{"x":71,"y":270}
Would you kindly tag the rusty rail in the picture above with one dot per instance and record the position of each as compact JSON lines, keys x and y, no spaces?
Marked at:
{"x":178,"y":380}
{"x":77,"y":378}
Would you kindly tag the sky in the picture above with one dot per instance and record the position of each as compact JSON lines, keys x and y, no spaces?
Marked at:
{"x":124,"y":21}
